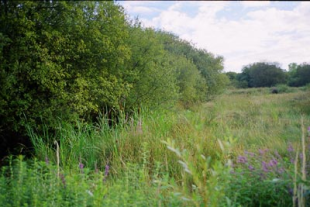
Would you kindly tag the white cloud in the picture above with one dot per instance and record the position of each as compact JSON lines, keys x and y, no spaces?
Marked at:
{"x":140,"y":7}
{"x":255,"y":3}
{"x":263,"y":34}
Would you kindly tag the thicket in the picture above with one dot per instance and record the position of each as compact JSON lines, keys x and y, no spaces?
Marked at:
{"x":299,"y":75}
{"x":76,"y":60}
{"x":265,"y":74}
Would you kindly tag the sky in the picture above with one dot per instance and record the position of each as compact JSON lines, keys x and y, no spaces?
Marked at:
{"x":243,"y":32}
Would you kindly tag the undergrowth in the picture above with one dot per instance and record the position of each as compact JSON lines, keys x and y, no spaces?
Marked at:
{"x":245,"y":148}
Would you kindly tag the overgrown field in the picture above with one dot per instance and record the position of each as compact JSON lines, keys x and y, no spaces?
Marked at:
{"x":245,"y":148}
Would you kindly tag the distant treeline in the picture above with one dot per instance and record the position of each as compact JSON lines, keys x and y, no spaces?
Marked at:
{"x":75,"y":60}
{"x":264,"y":74}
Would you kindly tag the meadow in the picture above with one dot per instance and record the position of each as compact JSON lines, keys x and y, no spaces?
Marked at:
{"x":247,"y":147}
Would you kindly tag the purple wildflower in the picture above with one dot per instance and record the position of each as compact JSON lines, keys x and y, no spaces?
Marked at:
{"x":81,"y":166}
{"x":106,"y":172}
{"x":242,"y":159}
{"x":264,"y":166}
{"x":251,"y":168}
{"x":273,"y":162}
{"x":290,"y":148}
{"x":262,"y":151}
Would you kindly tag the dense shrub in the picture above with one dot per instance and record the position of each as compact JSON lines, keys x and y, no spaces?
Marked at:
{"x":75,"y":60}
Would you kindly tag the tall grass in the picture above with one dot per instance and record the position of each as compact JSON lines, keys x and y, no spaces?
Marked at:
{"x":36,"y":183}
{"x":235,"y":150}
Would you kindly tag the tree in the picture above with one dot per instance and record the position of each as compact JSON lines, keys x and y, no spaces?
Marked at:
{"x":152,"y":79}
{"x":210,"y":67}
{"x":300,"y":76}
{"x":233,"y":79}
{"x":73,"y":60}
{"x":262,"y":74}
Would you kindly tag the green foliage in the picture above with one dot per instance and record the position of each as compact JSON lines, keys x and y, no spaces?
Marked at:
{"x":262,"y":74}
{"x":191,"y":168}
{"x":38,"y":183}
{"x":70,"y":61}
{"x":283,"y":88}
{"x":307,"y":87}
{"x":299,"y":75}
{"x":62,"y":63}
{"x":233,"y":81}
{"x":192,"y":86}
{"x":209,"y":66}
{"x":302,"y":103}
{"x":269,"y":74}
{"x":261,"y":179}
{"x":152,"y":79}
{"x":61,"y":60}
{"x":204,"y":180}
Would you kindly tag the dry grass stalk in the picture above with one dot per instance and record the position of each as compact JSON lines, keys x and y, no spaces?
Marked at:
{"x":57,"y":156}
{"x":296,"y":194}
{"x":299,"y":191}
{"x":303,"y":170}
